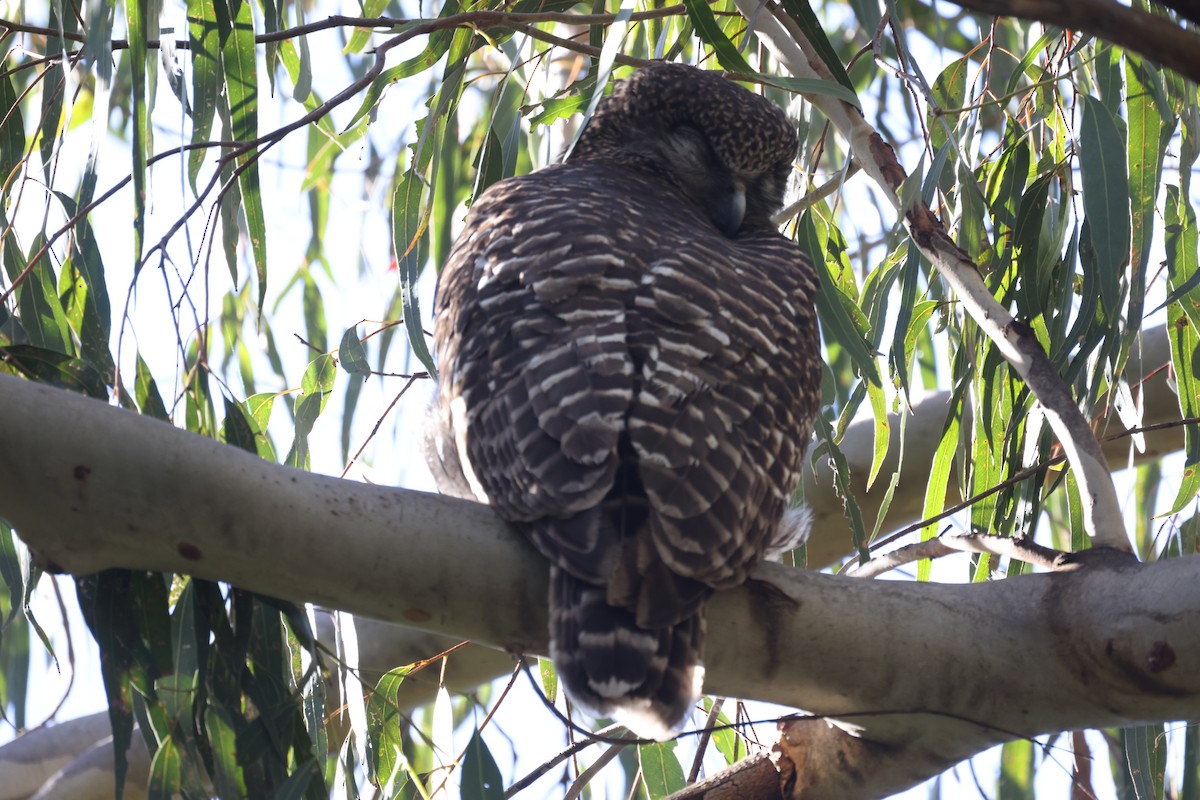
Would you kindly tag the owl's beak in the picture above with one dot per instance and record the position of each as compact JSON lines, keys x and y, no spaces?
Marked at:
{"x":731,"y":210}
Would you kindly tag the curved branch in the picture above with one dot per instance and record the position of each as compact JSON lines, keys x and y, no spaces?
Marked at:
{"x":1015,"y":341}
{"x":89,"y":487}
{"x":1153,"y":36}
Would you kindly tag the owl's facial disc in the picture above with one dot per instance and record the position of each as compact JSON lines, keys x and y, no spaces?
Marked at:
{"x":685,"y":154}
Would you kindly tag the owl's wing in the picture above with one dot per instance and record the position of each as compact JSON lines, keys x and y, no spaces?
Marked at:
{"x":541,"y":380}
{"x":722,"y":380}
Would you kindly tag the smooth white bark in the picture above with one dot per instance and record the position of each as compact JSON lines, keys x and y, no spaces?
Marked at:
{"x":931,"y":673}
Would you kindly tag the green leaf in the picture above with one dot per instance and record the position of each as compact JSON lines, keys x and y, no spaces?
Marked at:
{"x":352,"y":355}
{"x":1146,"y":756}
{"x":1105,"y":198}
{"x":809,"y":86}
{"x":298,"y":783}
{"x":205,"y":48}
{"x":1183,"y":329}
{"x":1191,"y":755}
{"x":481,"y":779}
{"x":949,"y":99}
{"x":38,"y":306}
{"x":1079,"y":536}
{"x":105,"y":600}
{"x":868,"y":13}
{"x":549,"y":679}
{"x":231,"y":205}
{"x":166,"y":772}
{"x":556,"y":108}
{"x":293,"y":62}
{"x":315,"y":388}
{"x":11,"y":573}
{"x":882,"y":429}
{"x":227,"y":773}
{"x":360,"y":37}
{"x":1006,"y":187}
{"x":1144,"y":156}
{"x":841,"y":482}
{"x":149,"y":401}
{"x":95,"y":326}
{"x":301,"y":75}
{"x":238,"y":58}
{"x":12,"y":133}
{"x":1016,"y":771}
{"x":725,"y":738}
{"x":661,"y":773}
{"x":939,"y":474}
{"x":237,"y":430}
{"x":833,"y":305}
{"x":14,"y":629}
{"x":436,"y":46}
{"x":257,"y":409}
{"x":135,"y":18}
{"x":409,"y":222}
{"x":802,"y":14}
{"x":57,"y":369}
{"x":709,"y":30}
{"x":314,"y":312}
{"x":386,"y":763}
{"x":1035,"y":286}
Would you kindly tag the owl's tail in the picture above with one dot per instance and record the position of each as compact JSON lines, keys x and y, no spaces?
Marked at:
{"x":648,"y":680}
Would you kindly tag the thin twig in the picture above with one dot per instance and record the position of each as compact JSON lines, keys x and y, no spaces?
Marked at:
{"x":605,"y":734}
{"x":714,"y":714}
{"x":1021,"y":475}
{"x":379,"y":422}
{"x":593,"y":770}
{"x":1020,"y":549}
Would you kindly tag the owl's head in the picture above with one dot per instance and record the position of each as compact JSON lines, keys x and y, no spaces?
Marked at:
{"x":725,"y":148}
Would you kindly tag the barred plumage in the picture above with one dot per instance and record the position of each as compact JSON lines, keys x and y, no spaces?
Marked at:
{"x":629,"y":369}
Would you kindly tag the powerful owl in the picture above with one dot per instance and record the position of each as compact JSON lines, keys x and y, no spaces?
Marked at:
{"x":629,"y":369}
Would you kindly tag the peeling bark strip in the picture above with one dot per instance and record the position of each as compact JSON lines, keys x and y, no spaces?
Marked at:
{"x":1108,"y":643}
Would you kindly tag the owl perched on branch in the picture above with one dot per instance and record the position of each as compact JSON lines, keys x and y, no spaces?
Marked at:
{"x":630,"y":366}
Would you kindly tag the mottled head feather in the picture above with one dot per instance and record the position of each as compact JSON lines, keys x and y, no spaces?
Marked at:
{"x":750,"y":136}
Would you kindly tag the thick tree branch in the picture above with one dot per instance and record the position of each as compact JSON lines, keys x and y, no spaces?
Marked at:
{"x":89,"y":487}
{"x":58,"y":760}
{"x":1153,"y":36}
{"x":755,"y":777}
